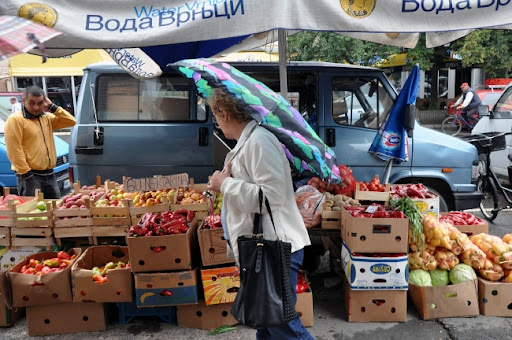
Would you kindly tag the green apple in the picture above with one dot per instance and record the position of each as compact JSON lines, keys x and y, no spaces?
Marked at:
{"x":41,"y":205}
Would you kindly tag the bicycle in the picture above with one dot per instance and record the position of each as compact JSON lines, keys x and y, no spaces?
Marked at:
{"x":487,"y":181}
{"x":453,"y":125}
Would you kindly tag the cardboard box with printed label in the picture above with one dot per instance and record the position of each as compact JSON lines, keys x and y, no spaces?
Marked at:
{"x":8,"y":314}
{"x":179,"y":251}
{"x":373,"y":272}
{"x":428,"y":205}
{"x":304,"y":308}
{"x":118,"y":288}
{"x":205,"y":317}
{"x":166,"y":289}
{"x":375,"y":305}
{"x":66,"y":318}
{"x":213,"y":246}
{"x":36,"y":290}
{"x":374,"y":235}
{"x":220,"y":285}
{"x":451,"y":301}
{"x":495,"y":298}
{"x":11,"y":257}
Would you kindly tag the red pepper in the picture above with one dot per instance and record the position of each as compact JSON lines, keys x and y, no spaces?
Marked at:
{"x":158,"y":249}
{"x":411,"y":192}
{"x":166,"y":292}
{"x":190,"y":216}
{"x":63,"y":255}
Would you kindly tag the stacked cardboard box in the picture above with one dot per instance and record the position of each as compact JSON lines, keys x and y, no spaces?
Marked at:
{"x":376,"y":283}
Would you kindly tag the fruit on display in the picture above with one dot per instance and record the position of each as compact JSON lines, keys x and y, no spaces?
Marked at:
{"x":40,"y":207}
{"x":190,"y":196}
{"x":4,"y":202}
{"x":302,"y":283}
{"x":99,"y":274}
{"x":148,"y":198}
{"x":113,"y":198}
{"x":160,"y":224}
{"x":217,"y":204}
{"x":373,"y":185}
{"x":347,"y":186}
{"x":73,"y":201}
{"x":55,"y":264}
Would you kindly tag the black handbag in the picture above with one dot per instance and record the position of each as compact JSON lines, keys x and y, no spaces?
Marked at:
{"x":265,"y":296}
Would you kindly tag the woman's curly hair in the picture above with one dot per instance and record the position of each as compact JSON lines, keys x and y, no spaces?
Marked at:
{"x":223,"y":101}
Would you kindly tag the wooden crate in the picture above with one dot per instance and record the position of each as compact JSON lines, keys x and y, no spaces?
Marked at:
{"x":33,"y":237}
{"x":6,"y":215}
{"x":330,"y":219}
{"x":119,"y":216}
{"x":72,"y":232}
{"x":65,"y":218}
{"x":5,"y":240}
{"x":195,"y":206}
{"x":108,"y":232}
{"x":22,"y":211}
{"x":373,"y":196}
{"x":137,"y":212}
{"x":108,"y":184}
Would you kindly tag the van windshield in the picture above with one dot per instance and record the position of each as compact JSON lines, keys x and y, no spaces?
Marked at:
{"x":360,"y":101}
{"x":503,"y":108}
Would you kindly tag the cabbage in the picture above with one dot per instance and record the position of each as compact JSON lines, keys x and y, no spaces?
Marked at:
{"x":420,"y":277}
{"x":439,"y":277}
{"x":462,"y":273}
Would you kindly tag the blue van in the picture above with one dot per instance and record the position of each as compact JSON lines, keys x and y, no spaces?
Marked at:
{"x":141,"y":128}
{"x":7,"y":176}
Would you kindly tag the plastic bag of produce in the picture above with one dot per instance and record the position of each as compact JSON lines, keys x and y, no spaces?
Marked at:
{"x":462,"y":273}
{"x":420,"y":277}
{"x":309,"y":201}
{"x":440,"y":277}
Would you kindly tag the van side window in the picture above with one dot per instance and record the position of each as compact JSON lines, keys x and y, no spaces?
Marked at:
{"x":360,"y":101}
{"x":124,"y":98}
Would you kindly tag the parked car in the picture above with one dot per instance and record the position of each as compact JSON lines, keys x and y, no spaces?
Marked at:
{"x":488,"y":97}
{"x":498,"y":119}
{"x":141,"y":128}
{"x":7,"y":176}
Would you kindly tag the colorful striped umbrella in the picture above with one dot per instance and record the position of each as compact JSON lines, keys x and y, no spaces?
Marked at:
{"x":305,"y":150}
{"x":18,"y":35}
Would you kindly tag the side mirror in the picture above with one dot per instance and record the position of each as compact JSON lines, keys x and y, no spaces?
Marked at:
{"x":483,"y":110}
{"x":410,"y":118}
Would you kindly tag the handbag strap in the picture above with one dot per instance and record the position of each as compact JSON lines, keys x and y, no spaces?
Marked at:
{"x":258,"y":218}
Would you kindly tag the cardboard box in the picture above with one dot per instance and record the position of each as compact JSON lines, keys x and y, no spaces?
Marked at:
{"x":304,"y":307}
{"x":36,"y":290}
{"x":428,"y":205}
{"x":220,"y":285}
{"x":179,"y":252}
{"x":367,"y":272}
{"x":10,"y":257}
{"x":8,"y":315}
{"x":375,"y":235}
{"x":452,"y":301}
{"x":471,"y":229}
{"x":119,"y":287}
{"x":66,"y":318}
{"x":205,"y":317}
{"x":166,"y":289}
{"x":213,"y":246}
{"x":375,"y":305}
{"x":495,"y":298}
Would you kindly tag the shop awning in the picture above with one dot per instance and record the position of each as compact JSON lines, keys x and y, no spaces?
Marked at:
{"x":28,"y":65}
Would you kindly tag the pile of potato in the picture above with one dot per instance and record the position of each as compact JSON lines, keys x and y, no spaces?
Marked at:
{"x":335,"y":202}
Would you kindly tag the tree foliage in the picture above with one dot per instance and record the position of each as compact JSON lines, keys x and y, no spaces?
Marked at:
{"x":332,"y":47}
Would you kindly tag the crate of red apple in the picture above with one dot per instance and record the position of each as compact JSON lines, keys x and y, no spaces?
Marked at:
{"x":72,"y":210}
{"x":112,"y":209}
{"x":426,"y":200}
{"x":163,"y":241}
{"x":150,"y":202}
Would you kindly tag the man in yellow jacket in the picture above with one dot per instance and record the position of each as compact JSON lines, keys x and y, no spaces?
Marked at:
{"x":30,"y":144}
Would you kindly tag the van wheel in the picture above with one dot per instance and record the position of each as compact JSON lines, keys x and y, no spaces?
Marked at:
{"x":443,"y":206}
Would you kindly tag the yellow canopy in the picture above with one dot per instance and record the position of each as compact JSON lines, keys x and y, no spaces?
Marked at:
{"x":28,"y":65}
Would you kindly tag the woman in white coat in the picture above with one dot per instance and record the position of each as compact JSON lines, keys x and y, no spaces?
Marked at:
{"x":258,"y":161}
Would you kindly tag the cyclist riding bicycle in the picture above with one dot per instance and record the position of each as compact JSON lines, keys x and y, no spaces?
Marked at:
{"x":468,"y":103}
